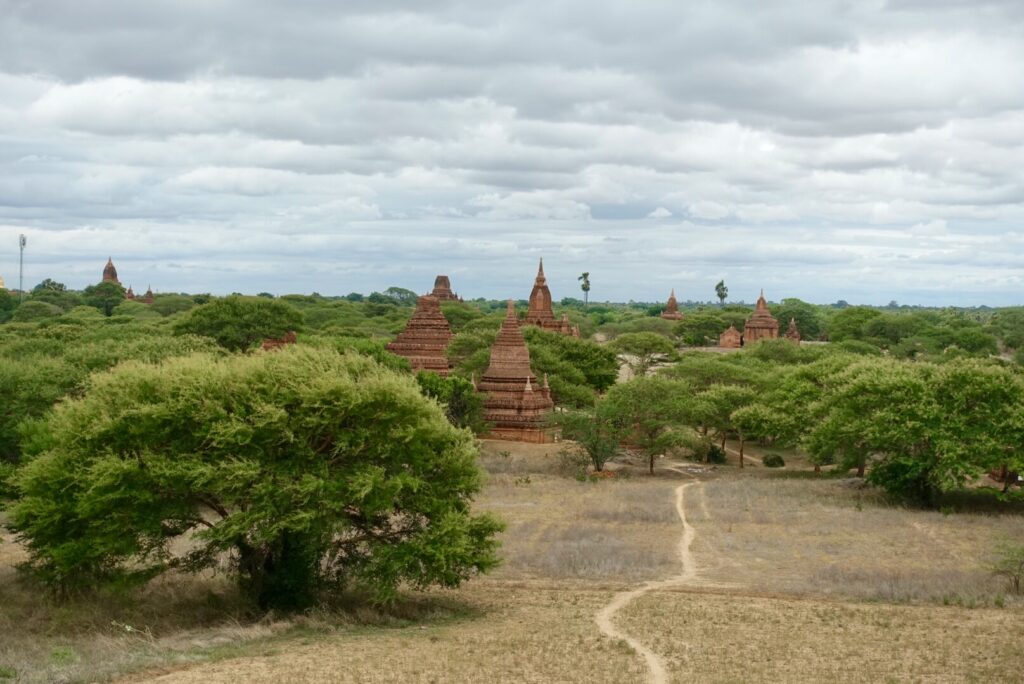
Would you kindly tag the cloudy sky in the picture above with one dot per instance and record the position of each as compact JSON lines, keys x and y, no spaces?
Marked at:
{"x":826,"y":150}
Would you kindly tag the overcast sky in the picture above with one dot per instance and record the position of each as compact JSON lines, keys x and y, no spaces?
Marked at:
{"x":865,"y":151}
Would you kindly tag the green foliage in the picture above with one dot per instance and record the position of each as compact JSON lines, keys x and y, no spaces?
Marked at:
{"x":848,"y":323}
{"x":702,"y":328}
{"x":1009,"y":564}
{"x":463,"y":405}
{"x":721,"y":291}
{"x":595,"y":435}
{"x":460,"y":314}
{"x":308,"y":468}
{"x":61,"y":298}
{"x":773,"y":461}
{"x":168,"y":304}
{"x":808,"y":320}
{"x":136,"y":310}
{"x":653,"y":413}
{"x":33,"y":311}
{"x":104,"y":296}
{"x":643,"y":350}
{"x":50,"y":284}
{"x":238,"y":323}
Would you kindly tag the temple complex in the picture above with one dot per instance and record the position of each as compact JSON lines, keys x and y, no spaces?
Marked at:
{"x":3,"y":285}
{"x":514,"y":405}
{"x":671,"y":312}
{"x":144,"y":299}
{"x":731,"y":338}
{"x":110,"y":273}
{"x":443,"y":290}
{"x":792,"y":332}
{"x":760,"y":325}
{"x":425,"y":338}
{"x":540,"y":312}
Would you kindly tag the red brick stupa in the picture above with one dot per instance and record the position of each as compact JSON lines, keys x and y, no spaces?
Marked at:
{"x":792,"y":332}
{"x":443,"y":290}
{"x":760,"y":325}
{"x":671,"y":312}
{"x":514,"y":404}
{"x":425,"y":338}
{"x":731,"y":338}
{"x":110,"y":273}
{"x":540,"y":313}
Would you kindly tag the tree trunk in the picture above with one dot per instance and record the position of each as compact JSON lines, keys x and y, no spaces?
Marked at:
{"x":860,"y":467}
{"x":742,"y":444}
{"x":651,"y":469}
{"x":817,"y":469}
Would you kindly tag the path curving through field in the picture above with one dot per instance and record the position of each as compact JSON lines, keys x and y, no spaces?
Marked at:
{"x":605,"y":617}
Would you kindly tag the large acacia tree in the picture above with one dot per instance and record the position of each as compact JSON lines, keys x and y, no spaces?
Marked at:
{"x":305,"y":468}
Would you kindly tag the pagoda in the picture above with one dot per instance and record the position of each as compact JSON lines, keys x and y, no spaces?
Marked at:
{"x":514,"y":405}
{"x":760,"y":325}
{"x":792,"y":332}
{"x":425,"y":338}
{"x":443,"y":290}
{"x":3,"y":286}
{"x":539,"y":312}
{"x":671,"y":312}
{"x":731,"y":338}
{"x":110,"y":273}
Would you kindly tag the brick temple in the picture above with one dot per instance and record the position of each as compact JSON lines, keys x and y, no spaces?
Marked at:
{"x":514,"y":404}
{"x":425,"y":338}
{"x":760,"y":325}
{"x":671,"y":312}
{"x":540,"y":312}
{"x":731,"y":338}
{"x":110,"y":273}
{"x":443,"y":290}
{"x":792,"y":332}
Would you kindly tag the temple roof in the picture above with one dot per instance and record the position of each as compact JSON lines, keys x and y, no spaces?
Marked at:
{"x":509,"y":356}
{"x":425,"y":337}
{"x":109,"y":272}
{"x":761,"y":317}
{"x":443,"y":289}
{"x":671,"y":311}
{"x":540,"y":311}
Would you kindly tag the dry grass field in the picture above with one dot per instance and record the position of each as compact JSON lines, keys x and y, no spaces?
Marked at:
{"x":794,"y":578}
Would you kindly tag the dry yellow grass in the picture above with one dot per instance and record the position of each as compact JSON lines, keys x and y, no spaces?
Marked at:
{"x":783,"y":570}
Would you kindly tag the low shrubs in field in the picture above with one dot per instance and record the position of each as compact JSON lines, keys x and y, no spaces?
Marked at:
{"x":773,"y":461}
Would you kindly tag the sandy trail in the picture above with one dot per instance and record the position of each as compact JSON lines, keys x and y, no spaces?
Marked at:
{"x":605,"y":617}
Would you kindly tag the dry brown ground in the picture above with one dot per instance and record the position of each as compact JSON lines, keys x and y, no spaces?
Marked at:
{"x":797,"y":580}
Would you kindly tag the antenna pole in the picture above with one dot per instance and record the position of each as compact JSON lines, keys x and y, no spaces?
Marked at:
{"x":21,"y":265}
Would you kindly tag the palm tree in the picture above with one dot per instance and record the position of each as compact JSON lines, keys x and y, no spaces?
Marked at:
{"x":721,"y":291}
{"x":585,"y":286}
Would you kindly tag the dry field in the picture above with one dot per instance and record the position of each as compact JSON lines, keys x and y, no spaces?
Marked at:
{"x":792,"y":579}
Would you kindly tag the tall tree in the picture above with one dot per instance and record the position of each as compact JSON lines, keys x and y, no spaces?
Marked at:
{"x":642,"y":350}
{"x":237,"y":323}
{"x":585,"y":286}
{"x":721,"y":291}
{"x":654,"y":414}
{"x":104,"y":296}
{"x":308,"y":468}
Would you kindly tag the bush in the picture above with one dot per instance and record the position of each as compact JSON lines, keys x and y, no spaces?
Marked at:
{"x":715,"y":454}
{"x":773,"y":461}
{"x":1009,"y":564}
{"x":238,"y":323}
{"x":305,"y":468}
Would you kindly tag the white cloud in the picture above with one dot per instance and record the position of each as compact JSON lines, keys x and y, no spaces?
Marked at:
{"x":660,"y":213}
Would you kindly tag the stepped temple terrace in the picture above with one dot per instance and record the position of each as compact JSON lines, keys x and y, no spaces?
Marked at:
{"x":540,"y":312}
{"x":514,"y":405}
{"x":443,"y":290}
{"x":425,"y":338}
{"x":671,"y":312}
{"x":760,"y":325}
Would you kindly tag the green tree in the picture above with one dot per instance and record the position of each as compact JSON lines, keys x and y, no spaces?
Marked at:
{"x":104,"y":296}
{"x":848,"y":323}
{"x":721,"y":291}
{"x":642,"y":350}
{"x":463,"y":405}
{"x":808,"y":320}
{"x":49,"y":284}
{"x":595,"y":434}
{"x":653,"y":413}
{"x":585,"y":286}
{"x":33,"y":311}
{"x":754,"y":421}
{"x":401,"y":296}
{"x":237,"y":323}
{"x":308,"y":468}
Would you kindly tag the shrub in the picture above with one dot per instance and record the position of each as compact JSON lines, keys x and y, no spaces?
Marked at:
{"x":773,"y":461}
{"x":1009,"y":564}
{"x":305,"y":468}
{"x":237,"y":323}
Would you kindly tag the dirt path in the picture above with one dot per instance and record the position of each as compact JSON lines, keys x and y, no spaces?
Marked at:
{"x":605,"y":617}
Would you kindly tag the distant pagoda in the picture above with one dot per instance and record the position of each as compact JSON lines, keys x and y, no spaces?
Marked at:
{"x":731,"y":338}
{"x":671,"y":312}
{"x":540,"y":312}
{"x":443,"y":290}
{"x":425,"y":338}
{"x":760,"y":325}
{"x":110,"y":273}
{"x":792,"y":332}
{"x":514,"y":405}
